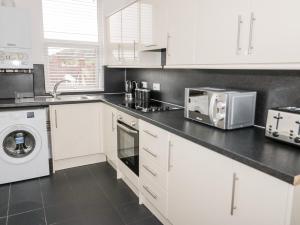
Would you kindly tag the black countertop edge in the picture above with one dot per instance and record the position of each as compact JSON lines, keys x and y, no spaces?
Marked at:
{"x":281,"y":173}
{"x":284,"y":176}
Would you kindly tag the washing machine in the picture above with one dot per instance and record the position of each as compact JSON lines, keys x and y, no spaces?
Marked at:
{"x":24,"y":149}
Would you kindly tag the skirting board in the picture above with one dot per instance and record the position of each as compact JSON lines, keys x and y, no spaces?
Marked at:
{"x":78,"y":161}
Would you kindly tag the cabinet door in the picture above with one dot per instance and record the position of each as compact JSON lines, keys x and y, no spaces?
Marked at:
{"x":199,"y":185}
{"x":259,"y":198}
{"x":110,"y":133}
{"x":181,"y":32}
{"x":222,"y":31}
{"x":130,"y":34}
{"x":15,"y":28}
{"x":153,"y":24}
{"x":275,"y":31}
{"x":75,"y":130}
{"x":114,"y":39}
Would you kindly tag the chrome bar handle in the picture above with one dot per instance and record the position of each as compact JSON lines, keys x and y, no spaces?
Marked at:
{"x":127,"y":129}
{"x":149,"y":170}
{"x":119,"y":52}
{"x":148,"y":132}
{"x":150,"y":192}
{"x":169,"y":156}
{"x":168,"y":44}
{"x":148,"y":151}
{"x":238,"y":44}
{"x":233,"y":207}
{"x":134,"y":56}
{"x":251,"y":47}
{"x":55,"y":112}
{"x":112,"y":121}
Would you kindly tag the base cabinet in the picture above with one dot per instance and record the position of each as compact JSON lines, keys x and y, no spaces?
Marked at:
{"x":75,"y":130}
{"x":110,"y":133}
{"x":207,"y":188}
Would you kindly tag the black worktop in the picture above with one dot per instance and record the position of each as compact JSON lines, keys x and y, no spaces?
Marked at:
{"x":248,"y":145}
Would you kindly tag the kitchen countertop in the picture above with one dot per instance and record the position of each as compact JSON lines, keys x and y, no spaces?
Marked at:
{"x":248,"y":145}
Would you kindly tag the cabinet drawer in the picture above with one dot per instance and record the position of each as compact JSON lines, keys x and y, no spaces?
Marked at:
{"x":154,"y":173}
{"x":154,"y":144}
{"x":154,"y":194}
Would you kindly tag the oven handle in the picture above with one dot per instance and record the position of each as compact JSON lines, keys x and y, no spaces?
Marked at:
{"x":127,"y":129}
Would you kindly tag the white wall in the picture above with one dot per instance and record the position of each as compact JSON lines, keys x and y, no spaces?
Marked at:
{"x":35,"y":7}
{"x":111,"y":6}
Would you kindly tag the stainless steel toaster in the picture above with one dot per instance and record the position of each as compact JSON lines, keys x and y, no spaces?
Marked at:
{"x":222,"y":108}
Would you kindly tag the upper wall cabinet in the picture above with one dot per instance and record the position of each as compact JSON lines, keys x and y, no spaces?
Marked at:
{"x":275,"y":31}
{"x":181,"y":24}
{"x":128,"y":30}
{"x":212,"y":33}
{"x":153,"y":24}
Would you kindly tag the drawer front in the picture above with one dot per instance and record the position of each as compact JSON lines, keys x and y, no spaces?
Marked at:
{"x":154,"y":173}
{"x":154,"y":144}
{"x":154,"y":194}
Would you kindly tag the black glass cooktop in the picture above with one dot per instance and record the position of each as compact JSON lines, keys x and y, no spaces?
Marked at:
{"x":150,"y":106}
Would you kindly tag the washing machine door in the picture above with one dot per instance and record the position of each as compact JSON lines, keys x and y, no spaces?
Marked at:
{"x":19,"y":144}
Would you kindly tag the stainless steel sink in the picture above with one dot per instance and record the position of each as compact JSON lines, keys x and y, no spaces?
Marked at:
{"x":61,"y":98}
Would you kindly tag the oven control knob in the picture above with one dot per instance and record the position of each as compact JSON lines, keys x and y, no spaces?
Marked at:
{"x":297,"y":140}
{"x":275,"y":134}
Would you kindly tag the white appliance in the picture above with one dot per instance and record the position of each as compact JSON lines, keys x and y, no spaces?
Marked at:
{"x":24,"y":150}
{"x":283,"y":124}
{"x":15,"y":38}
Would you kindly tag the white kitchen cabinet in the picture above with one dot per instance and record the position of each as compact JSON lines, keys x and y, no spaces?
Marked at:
{"x":153,"y":24}
{"x":114,"y":39}
{"x":275,"y":33}
{"x":15,"y":28}
{"x":75,"y":130}
{"x":110,"y":133}
{"x":181,"y":32}
{"x":213,"y":190}
{"x":222,"y":31}
{"x":199,"y":185}
{"x":130,"y":34}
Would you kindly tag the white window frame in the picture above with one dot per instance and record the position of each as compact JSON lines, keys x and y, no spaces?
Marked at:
{"x":66,"y":43}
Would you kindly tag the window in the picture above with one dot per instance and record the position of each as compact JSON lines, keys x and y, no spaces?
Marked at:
{"x":73,"y":48}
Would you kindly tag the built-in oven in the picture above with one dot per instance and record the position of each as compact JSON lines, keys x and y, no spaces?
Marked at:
{"x":128,"y":142}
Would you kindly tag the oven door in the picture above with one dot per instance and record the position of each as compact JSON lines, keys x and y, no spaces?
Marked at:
{"x":128,"y":146}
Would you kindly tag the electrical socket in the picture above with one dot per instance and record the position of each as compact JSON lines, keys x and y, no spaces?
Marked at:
{"x":144,"y":84}
{"x":156,"y":86}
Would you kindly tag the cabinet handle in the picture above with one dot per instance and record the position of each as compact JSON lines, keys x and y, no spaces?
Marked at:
{"x":119,"y":52}
{"x":149,"y":170}
{"x":152,"y":45}
{"x":168,"y":44}
{"x":169,"y":156}
{"x":112,"y":121}
{"x":148,"y":132}
{"x":150,"y":192}
{"x":134,"y":57}
{"x":238,"y":44}
{"x":148,"y":151}
{"x":55,"y":112}
{"x":233,"y":207}
{"x":251,"y":47}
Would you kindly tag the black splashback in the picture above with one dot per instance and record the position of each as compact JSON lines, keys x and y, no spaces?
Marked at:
{"x":274,"y":88}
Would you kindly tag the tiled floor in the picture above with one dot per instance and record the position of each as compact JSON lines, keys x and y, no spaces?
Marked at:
{"x":88,"y":195}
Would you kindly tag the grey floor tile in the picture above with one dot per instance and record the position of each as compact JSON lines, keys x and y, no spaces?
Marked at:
{"x":4,"y":193}
{"x":148,"y":221}
{"x":3,"y":221}
{"x":74,"y":221}
{"x":80,"y":177}
{"x":25,"y":196}
{"x":31,"y":218}
{"x":61,"y":213}
{"x":133,"y":212}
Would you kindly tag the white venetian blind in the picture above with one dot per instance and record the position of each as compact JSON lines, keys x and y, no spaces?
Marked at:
{"x":72,"y":45}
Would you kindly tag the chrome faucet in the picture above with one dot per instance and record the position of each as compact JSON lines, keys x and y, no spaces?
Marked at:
{"x":54,"y":93}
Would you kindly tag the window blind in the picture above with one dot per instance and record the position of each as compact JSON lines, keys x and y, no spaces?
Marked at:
{"x":72,"y":46}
